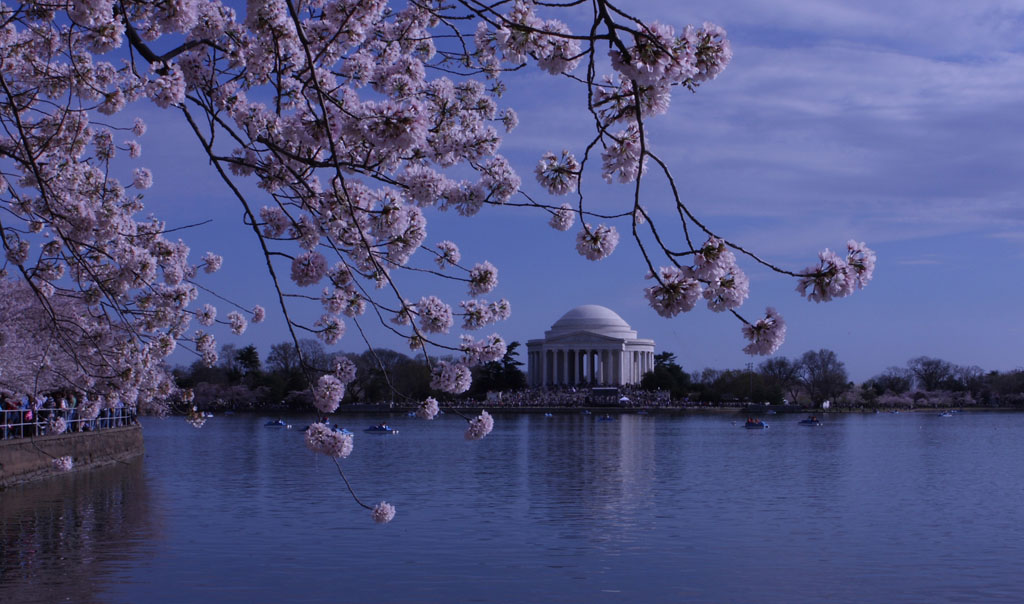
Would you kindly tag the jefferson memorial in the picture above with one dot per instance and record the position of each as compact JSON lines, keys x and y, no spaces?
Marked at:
{"x":589,"y":345}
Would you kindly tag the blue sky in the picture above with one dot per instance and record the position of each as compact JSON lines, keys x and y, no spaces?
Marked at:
{"x":894,"y":123}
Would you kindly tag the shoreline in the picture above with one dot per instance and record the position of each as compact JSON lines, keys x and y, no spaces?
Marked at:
{"x":365,"y":408}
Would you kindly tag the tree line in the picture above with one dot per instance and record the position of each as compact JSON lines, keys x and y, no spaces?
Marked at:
{"x":819,"y":375}
{"x":242,"y":380}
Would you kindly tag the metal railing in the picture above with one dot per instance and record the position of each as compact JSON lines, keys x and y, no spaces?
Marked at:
{"x":22,"y":423}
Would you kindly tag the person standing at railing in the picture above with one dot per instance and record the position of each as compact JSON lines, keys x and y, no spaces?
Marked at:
{"x":27,"y":417}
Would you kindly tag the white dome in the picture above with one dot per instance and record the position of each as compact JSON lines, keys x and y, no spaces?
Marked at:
{"x":591,"y":318}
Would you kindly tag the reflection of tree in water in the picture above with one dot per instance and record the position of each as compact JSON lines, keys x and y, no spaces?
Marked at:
{"x":60,"y":538}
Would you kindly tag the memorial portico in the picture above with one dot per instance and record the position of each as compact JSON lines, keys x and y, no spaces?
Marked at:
{"x":589,"y":345}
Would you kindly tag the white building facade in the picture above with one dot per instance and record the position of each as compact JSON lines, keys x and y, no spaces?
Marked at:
{"x":589,"y":346}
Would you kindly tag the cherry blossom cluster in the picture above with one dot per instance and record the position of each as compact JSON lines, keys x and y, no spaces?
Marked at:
{"x":344,"y":369}
{"x":195,"y":417}
{"x":559,"y":176}
{"x":64,"y":463}
{"x":327,"y":393}
{"x":480,"y":426}
{"x":477,"y":313}
{"x":428,"y":409}
{"x":491,"y":348}
{"x":383,"y":513}
{"x":596,"y":243}
{"x":837,"y":277}
{"x":320,"y":438}
{"x":716,"y":277}
{"x":563,"y":218}
{"x":766,"y":334}
{"x":450,"y":377}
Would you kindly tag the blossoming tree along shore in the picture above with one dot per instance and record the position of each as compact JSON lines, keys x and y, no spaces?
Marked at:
{"x":355,"y":118}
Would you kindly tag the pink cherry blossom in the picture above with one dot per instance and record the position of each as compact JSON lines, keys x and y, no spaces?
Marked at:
{"x":258,"y":314}
{"x":332,"y":329}
{"x":450,"y":377}
{"x":861,"y":259}
{"x":596,"y":243}
{"x":64,"y":464}
{"x":678,"y":291}
{"x":728,"y":291}
{"x":449,"y":254}
{"x":211,"y":262}
{"x":328,"y":393}
{"x":563,"y":218}
{"x":308,"y":269}
{"x":482,"y":278}
{"x":206,"y":315}
{"x":480,"y":426}
{"x":143,"y":179}
{"x":491,"y":348}
{"x":558,"y":175}
{"x":713,"y":260}
{"x":320,"y":438}
{"x":831,"y":278}
{"x":383,"y":513}
{"x":344,"y":369}
{"x":428,"y":409}
{"x":765,"y":335}
{"x":237,"y":322}
{"x":621,"y":159}
{"x":434,"y":315}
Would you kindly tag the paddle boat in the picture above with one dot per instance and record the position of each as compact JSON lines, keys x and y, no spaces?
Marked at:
{"x":549,"y":415}
{"x":945,"y":414}
{"x":381,"y":429}
{"x":755,"y":424}
{"x":277,"y":423}
{"x":585,"y":412}
{"x":606,"y":418}
{"x":810,"y":421}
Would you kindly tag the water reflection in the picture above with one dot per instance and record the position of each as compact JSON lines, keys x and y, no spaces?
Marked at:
{"x":567,"y":509}
{"x":66,"y":537}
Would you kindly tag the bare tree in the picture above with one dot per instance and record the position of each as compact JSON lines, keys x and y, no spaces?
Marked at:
{"x":823,"y":375}
{"x":782,"y":373}
{"x":931,"y":374}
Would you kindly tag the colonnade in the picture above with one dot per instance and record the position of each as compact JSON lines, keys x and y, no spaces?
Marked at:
{"x":568,"y":366}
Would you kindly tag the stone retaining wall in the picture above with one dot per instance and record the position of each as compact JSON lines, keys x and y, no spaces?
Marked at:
{"x":24,"y":459}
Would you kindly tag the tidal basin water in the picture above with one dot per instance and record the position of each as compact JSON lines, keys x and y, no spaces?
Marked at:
{"x":866,"y":508}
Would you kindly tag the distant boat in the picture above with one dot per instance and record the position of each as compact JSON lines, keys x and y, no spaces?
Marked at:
{"x":945,"y":414}
{"x":586,"y":412}
{"x":381,"y":429}
{"x":606,"y":418}
{"x":755,"y":424}
{"x":549,"y":415}
{"x":278,"y":423}
{"x":810,"y":421}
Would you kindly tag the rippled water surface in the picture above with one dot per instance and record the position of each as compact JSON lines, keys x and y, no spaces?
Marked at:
{"x":874,"y":508}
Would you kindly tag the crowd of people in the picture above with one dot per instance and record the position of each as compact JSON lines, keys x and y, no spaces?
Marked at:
{"x":572,"y":397}
{"x":58,"y":412}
